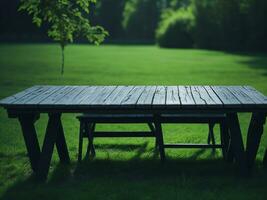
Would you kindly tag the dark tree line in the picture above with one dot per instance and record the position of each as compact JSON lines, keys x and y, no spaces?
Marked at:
{"x":216,"y":24}
{"x":231,"y":24}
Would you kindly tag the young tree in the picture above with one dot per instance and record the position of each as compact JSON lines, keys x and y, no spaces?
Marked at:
{"x":66,"y":20}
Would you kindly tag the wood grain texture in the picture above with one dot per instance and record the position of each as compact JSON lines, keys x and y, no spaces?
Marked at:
{"x":202,"y":96}
{"x":77,"y":98}
{"x":57,"y":96}
{"x":213,"y":95}
{"x":71,"y":96}
{"x":257,"y":97}
{"x":93,"y":94}
{"x":102,"y":95}
{"x":36,"y":93}
{"x":118,"y":95}
{"x":160,"y":96}
{"x":38,"y":98}
{"x":185,"y":95}
{"x":17,"y":96}
{"x":147,"y":95}
{"x":132,"y":97}
{"x":225,"y":95}
{"x":242,"y":96}
{"x":173,"y":96}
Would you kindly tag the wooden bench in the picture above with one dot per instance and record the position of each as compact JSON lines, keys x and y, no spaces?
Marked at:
{"x":89,"y":121}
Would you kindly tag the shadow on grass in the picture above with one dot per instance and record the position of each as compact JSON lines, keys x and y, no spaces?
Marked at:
{"x":138,"y":178}
{"x":254,"y":61}
{"x":258,"y":62}
{"x":122,"y":147}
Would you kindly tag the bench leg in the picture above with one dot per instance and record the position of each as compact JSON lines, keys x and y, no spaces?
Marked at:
{"x":81,"y":134}
{"x":255,"y":132}
{"x":237,"y":142}
{"x":153,"y":130}
{"x":160,"y":141}
{"x":211,"y":138}
{"x":89,"y":130}
{"x":92,"y":139}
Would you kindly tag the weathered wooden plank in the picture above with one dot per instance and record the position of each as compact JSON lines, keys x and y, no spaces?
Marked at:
{"x":103,"y":95}
{"x":15,"y":97}
{"x":91,"y":95}
{"x":257,"y":97}
{"x":35,"y":94}
{"x":82,"y":95}
{"x":52,"y":99}
{"x":113,"y":95}
{"x":186,"y":96}
{"x":118,"y":95}
{"x":198,"y":97}
{"x":225,"y":95}
{"x":100,"y":95}
{"x":38,"y":98}
{"x":68,"y":98}
{"x":160,"y":96}
{"x":202,"y":97}
{"x":238,"y":92}
{"x":132,"y":97}
{"x":172,"y":96}
{"x":147,"y":95}
{"x":213,"y":95}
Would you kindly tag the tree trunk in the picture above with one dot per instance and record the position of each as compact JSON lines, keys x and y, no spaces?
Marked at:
{"x":63,"y":59}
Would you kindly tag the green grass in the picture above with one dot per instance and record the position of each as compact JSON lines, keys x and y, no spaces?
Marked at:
{"x":127,"y":168}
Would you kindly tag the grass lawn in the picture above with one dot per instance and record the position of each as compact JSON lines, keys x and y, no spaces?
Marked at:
{"x":127,"y":168}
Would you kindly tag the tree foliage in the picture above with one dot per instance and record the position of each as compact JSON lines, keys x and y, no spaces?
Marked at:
{"x":66,"y":20}
{"x":231,"y":24}
{"x":219,"y":24}
{"x":176,"y":29}
{"x":140,"y":18}
{"x":108,"y":13}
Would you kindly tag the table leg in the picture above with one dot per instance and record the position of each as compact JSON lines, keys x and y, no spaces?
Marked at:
{"x":61,"y":145}
{"x":30,"y":137}
{"x":225,"y":141}
{"x":255,"y":132}
{"x":40,"y":160}
{"x":236,"y":141}
{"x":54,"y":135}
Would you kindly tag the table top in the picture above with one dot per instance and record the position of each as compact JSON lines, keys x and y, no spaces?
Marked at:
{"x":104,"y":98}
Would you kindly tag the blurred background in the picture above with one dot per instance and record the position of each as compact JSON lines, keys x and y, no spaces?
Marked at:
{"x":210,"y":24}
{"x":150,"y":42}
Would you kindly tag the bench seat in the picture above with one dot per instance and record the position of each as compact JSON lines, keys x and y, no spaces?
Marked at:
{"x":145,"y":118}
{"x":88,"y":122}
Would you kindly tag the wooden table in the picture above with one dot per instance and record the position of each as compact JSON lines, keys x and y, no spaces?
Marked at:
{"x":27,"y":105}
